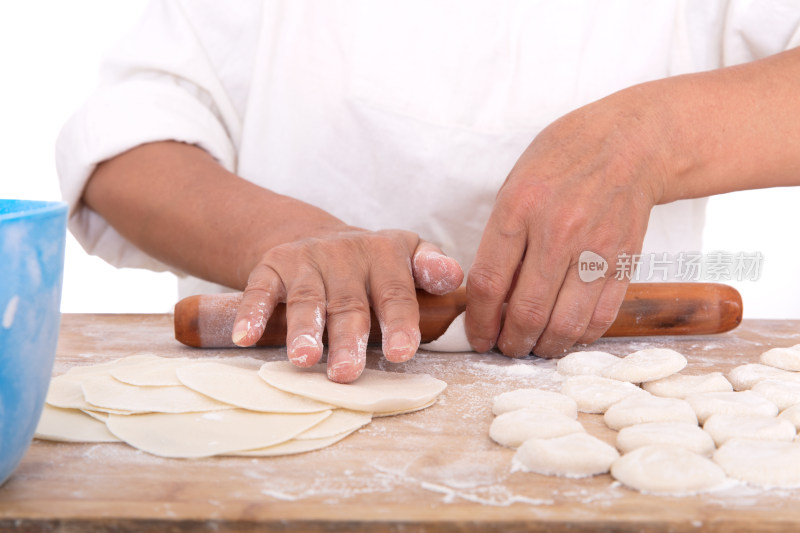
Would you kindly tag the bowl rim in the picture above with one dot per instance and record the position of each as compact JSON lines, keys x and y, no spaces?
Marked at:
{"x":21,"y":208}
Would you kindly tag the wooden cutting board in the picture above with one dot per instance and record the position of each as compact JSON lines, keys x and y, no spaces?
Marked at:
{"x":434,"y":470}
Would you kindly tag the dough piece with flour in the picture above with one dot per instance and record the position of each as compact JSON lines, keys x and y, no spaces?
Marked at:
{"x":374,"y":391}
{"x":723,"y":428}
{"x":783,"y":358}
{"x":574,"y":455}
{"x":454,"y":339}
{"x":595,"y":394}
{"x":152,"y":373}
{"x":784,"y":394}
{"x":744,"y":403}
{"x":513,"y":428}
{"x":646,"y":365}
{"x":543,"y":400}
{"x":792,"y":414}
{"x":762,"y":463}
{"x":643,"y":409}
{"x":680,"y":434}
{"x":585,"y":363}
{"x":211,"y":433}
{"x":682,"y":385}
{"x":668,"y":470}
{"x":243,"y":388}
{"x":71,"y":425}
{"x":743,"y":377}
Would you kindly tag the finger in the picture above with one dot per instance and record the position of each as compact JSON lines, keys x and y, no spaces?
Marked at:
{"x":531,"y":303}
{"x":489,"y":280}
{"x":573,"y":309}
{"x":395,"y":303}
{"x":263,"y":292}
{"x":348,"y":328}
{"x":305,"y":318}
{"x":433,"y":271}
{"x":605,"y":312}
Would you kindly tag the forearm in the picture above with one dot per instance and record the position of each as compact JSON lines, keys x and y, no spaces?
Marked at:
{"x":730,"y":129}
{"x":175,"y":202}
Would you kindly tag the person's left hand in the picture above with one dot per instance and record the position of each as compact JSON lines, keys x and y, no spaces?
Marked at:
{"x":586,"y":183}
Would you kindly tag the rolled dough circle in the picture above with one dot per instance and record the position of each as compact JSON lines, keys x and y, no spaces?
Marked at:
{"x":574,"y":455}
{"x":513,"y":428}
{"x":595,"y":394}
{"x":682,"y":385}
{"x":783,"y":358}
{"x":646,"y":365}
{"x":723,"y":428}
{"x":744,"y":403}
{"x":585,"y":363}
{"x":543,"y":400}
{"x":643,"y":409}
{"x":680,"y":434}
{"x":668,"y":470}
{"x":763,"y":463}
{"x":71,"y":425}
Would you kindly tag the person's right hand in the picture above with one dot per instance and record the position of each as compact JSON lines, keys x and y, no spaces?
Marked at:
{"x":333,"y":280}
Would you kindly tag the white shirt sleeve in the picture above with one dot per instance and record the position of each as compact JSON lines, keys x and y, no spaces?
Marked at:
{"x":158,"y":84}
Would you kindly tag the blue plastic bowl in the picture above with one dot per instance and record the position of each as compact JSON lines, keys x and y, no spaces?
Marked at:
{"x":32,"y":238}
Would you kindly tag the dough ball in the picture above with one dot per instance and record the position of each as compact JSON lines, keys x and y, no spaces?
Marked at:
{"x":792,"y":414}
{"x":744,"y":403}
{"x":682,"y":385}
{"x":543,"y":400}
{"x":783,"y":358}
{"x":680,"y":434}
{"x":585,"y":363}
{"x":595,"y":394}
{"x":668,"y":470}
{"x":763,"y":463}
{"x":743,"y":377}
{"x":574,"y":455}
{"x":782,"y":393}
{"x":646,"y":365}
{"x":643,"y":409}
{"x":513,"y":428}
{"x":723,"y":428}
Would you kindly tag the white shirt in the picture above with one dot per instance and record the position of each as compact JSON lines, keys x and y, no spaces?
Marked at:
{"x":392,"y":114}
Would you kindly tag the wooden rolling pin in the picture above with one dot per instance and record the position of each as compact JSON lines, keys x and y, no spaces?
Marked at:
{"x":206,"y":321}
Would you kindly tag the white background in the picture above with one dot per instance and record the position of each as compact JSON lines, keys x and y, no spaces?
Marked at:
{"x":50,"y":50}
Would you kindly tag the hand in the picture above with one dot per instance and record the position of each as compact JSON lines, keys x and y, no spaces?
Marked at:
{"x":334,"y":279}
{"x":586,"y":183}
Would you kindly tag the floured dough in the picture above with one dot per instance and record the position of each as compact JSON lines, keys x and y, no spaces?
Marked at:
{"x":595,"y":394}
{"x":152,"y":373}
{"x":291,"y":447}
{"x":792,"y":414}
{"x":243,"y":388}
{"x":340,"y":421}
{"x":585,"y":363}
{"x":646,"y":365}
{"x":574,"y":455}
{"x":782,"y":393}
{"x":534,"y":398}
{"x":107,"y":392}
{"x":643,"y":409}
{"x":761,"y":463}
{"x":744,"y":403}
{"x":680,"y":434}
{"x":210,"y":433}
{"x":514,"y":427}
{"x":783,"y":358}
{"x":682,"y":385}
{"x":454,"y":339}
{"x":67,"y":393}
{"x":668,"y":470}
{"x":743,"y":377}
{"x":71,"y":425}
{"x":723,"y":428}
{"x":374,"y":391}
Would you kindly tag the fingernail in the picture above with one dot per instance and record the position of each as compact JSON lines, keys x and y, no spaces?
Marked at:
{"x":399,"y":348}
{"x":482,"y":345}
{"x":345,"y":367}
{"x":302,"y":350}
{"x":240,"y":331}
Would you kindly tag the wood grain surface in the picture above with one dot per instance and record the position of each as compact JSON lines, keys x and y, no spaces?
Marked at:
{"x":434,"y":470}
